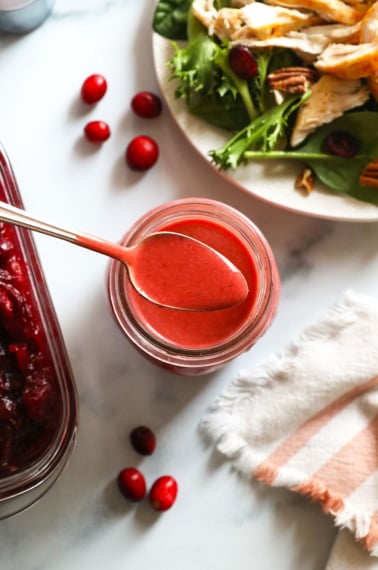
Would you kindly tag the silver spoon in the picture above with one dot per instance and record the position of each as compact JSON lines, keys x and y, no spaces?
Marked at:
{"x":167,"y":268}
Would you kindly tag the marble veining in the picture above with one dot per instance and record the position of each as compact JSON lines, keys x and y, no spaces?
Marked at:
{"x":220,"y":521}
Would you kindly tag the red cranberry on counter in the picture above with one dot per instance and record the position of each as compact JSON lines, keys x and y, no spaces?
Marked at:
{"x":163,"y":493}
{"x":142,"y":152}
{"x":93,"y":88}
{"x":132,"y":484}
{"x":143,"y":440}
{"x":97,"y":131}
{"x":146,"y":105}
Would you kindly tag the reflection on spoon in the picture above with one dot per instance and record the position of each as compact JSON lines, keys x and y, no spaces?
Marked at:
{"x":169,"y":269}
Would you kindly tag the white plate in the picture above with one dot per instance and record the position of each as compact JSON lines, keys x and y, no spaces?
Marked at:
{"x":271,"y":181}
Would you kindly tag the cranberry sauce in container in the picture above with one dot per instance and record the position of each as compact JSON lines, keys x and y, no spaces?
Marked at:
{"x":195,"y":343}
{"x":38,"y":400}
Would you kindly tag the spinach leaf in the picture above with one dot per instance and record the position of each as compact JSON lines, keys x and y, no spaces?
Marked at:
{"x":342,"y":174}
{"x":170,"y":19}
{"x":226,"y":112}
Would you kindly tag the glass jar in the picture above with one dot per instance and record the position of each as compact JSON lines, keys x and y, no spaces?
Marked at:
{"x":38,"y":400}
{"x":194,"y":343}
{"x":21,"y":16}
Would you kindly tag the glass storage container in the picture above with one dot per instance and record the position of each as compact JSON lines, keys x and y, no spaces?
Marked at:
{"x":38,"y":399}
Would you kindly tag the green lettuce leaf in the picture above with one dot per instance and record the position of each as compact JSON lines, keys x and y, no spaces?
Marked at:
{"x":261,"y":136}
{"x":170,"y":19}
{"x":206,"y":83}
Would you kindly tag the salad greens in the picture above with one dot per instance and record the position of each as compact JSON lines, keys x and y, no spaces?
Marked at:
{"x":262,"y":135}
{"x":210,"y":88}
{"x":207,"y":83}
{"x":170,"y":18}
{"x":342,"y":174}
{"x":247,"y":108}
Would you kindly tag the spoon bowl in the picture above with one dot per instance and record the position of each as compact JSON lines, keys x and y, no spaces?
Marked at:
{"x":169,"y":269}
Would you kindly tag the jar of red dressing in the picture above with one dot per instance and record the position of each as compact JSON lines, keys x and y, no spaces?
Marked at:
{"x":195,"y":343}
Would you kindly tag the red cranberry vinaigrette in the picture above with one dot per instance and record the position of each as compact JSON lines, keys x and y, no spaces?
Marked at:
{"x":195,"y":343}
{"x":37,"y":393}
{"x":198,"y":330}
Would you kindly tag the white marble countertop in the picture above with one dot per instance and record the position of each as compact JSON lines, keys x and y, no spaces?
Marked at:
{"x":219,"y":521}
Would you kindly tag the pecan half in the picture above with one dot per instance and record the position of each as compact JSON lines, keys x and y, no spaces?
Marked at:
{"x":292,"y":79}
{"x":369,"y":175}
{"x":305,"y":181}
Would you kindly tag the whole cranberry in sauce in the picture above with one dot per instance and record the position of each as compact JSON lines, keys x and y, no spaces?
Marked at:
{"x":146,"y":105}
{"x":242,"y":62}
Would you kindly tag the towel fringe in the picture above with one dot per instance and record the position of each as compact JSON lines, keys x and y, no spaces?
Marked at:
{"x":363,"y":526}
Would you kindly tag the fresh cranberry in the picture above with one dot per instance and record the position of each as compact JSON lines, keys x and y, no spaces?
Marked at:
{"x":143,"y":440}
{"x":163,"y":493}
{"x":342,"y":144}
{"x":97,"y":131}
{"x":142,"y":153}
{"x":242,"y":62}
{"x":146,"y":105}
{"x":93,"y":88}
{"x":132,"y":484}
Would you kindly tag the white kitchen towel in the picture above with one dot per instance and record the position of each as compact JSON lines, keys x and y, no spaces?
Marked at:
{"x":307,"y":419}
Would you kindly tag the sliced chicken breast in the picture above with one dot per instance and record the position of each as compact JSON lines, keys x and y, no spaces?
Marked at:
{"x":330,"y":98}
{"x":309,"y":42}
{"x":329,"y":10}
{"x":349,"y":61}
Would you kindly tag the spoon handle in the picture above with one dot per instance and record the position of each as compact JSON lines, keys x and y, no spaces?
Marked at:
{"x":22,"y":218}
{"x":19,"y":217}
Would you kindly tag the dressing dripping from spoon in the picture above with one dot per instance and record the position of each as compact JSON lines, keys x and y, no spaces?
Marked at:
{"x":169,"y":269}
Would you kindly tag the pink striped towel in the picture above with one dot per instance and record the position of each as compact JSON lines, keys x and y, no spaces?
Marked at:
{"x":308,"y":418}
